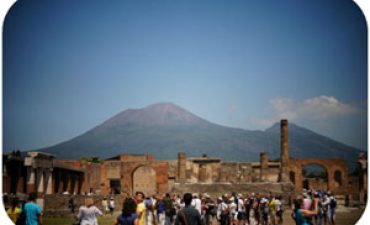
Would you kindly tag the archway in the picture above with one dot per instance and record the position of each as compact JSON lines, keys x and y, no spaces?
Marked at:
{"x":338,"y":178}
{"x":292,"y":176}
{"x":144,"y":180}
{"x":314,"y":176}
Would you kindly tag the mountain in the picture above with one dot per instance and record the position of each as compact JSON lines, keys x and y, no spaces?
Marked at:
{"x":164,"y":129}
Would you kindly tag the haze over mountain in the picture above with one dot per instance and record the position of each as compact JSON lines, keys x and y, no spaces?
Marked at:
{"x":164,"y":129}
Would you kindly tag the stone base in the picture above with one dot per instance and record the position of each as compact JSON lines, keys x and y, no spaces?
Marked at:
{"x":217,"y":189}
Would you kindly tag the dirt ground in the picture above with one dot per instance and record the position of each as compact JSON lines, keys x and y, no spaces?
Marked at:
{"x":344,"y":217}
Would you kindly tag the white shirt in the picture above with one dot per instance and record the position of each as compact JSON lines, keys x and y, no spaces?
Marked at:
{"x":88,"y":215}
{"x":278,"y":204}
{"x":241,"y":207}
{"x":197,"y":204}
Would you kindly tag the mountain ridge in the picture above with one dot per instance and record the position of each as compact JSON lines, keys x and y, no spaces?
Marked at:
{"x":164,"y":129}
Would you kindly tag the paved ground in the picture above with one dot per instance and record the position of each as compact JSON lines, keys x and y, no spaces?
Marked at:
{"x":345,"y":216}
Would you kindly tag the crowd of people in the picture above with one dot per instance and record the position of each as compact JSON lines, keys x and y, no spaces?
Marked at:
{"x":312,"y":207}
{"x":316,"y":208}
{"x":309,"y":208}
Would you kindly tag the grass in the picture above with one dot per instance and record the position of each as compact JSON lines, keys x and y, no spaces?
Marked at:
{"x":102,"y":220}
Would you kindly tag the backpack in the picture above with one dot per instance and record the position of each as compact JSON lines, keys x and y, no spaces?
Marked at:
{"x":333,"y":203}
{"x":21,"y":220}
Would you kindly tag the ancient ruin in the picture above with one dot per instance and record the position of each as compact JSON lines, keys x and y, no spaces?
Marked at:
{"x":127,"y":173}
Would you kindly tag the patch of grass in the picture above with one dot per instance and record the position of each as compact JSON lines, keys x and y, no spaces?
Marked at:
{"x":102,"y":220}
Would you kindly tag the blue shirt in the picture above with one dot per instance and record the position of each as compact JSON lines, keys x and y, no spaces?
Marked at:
{"x":127,"y":220}
{"x":33,"y":211}
{"x":300,"y":219}
{"x":160,"y":207}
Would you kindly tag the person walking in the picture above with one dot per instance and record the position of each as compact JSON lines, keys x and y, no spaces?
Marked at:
{"x":160,"y":211}
{"x":188,"y":215}
{"x":140,"y":208}
{"x":14,"y":211}
{"x":112,"y":205}
{"x":104,"y":204}
{"x":32,"y":211}
{"x":169,"y":209}
{"x":88,"y":212}
{"x":72,"y":205}
{"x":223,"y":211}
{"x":301,"y":215}
{"x":128,"y":215}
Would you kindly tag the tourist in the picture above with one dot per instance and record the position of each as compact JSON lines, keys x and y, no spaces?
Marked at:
{"x":71,"y":205}
{"x":301,"y":215}
{"x":279,"y":209}
{"x":14,"y":211}
{"x":188,"y":215}
{"x":149,"y":218}
{"x":320,"y":212}
{"x":154,"y":209}
{"x":253,"y":216}
{"x":196,"y":203}
{"x":111,"y":205}
{"x":169,"y":209}
{"x":264,"y":210}
{"x":211,"y":209}
{"x":247,"y":206}
{"x":104,"y":204}
{"x":332,"y":208}
{"x":128,"y":215}
{"x":88,"y":212}
{"x":140,"y":208}
{"x":272,"y":209}
{"x":32,"y":211}
{"x":241,"y":211}
{"x":223,"y":211}
{"x":160,"y":210}
{"x":233,"y":211}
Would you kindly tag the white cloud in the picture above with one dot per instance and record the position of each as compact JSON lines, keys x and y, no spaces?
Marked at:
{"x":321,"y":109}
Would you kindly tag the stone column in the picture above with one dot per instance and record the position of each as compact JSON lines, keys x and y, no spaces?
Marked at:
{"x":264,"y":162}
{"x":49,"y":181}
{"x":40,"y":180}
{"x":181,"y":167}
{"x":284,"y":154}
{"x":61,"y":181}
{"x":31,"y":179}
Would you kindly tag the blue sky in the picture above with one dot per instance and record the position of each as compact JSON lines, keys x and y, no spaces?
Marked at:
{"x":247,"y":64}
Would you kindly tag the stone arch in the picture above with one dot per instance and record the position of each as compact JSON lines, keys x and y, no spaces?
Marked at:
{"x":330,"y":165}
{"x":316,"y":179}
{"x":144,"y":179}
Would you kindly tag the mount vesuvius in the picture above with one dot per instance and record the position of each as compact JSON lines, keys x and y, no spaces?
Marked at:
{"x":164,"y":129}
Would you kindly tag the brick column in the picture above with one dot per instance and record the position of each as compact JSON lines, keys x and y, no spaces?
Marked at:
{"x":181,"y":173}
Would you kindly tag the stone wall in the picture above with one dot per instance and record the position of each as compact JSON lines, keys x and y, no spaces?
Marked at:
{"x":57,"y":204}
{"x":217,"y":189}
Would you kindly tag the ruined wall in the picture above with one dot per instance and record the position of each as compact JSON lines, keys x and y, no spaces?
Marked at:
{"x":204,"y":173}
{"x":57,"y":204}
{"x":234,"y":172}
{"x":216,"y":190}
